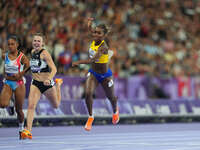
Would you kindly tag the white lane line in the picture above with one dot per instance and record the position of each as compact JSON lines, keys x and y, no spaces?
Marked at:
{"x":137,"y":135}
{"x":115,"y":137}
{"x":7,"y":146}
{"x":116,"y":144}
{"x":45,"y":142}
{"x":91,"y":133}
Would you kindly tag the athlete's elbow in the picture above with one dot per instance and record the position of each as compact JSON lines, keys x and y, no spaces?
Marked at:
{"x":28,"y":64}
{"x":2,"y":56}
{"x":55,"y":70}
{"x":91,"y":61}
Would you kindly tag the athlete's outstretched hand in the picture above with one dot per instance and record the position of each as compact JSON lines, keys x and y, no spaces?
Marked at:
{"x":74,"y":64}
{"x":3,"y":52}
{"x":18,"y":76}
{"x":47,"y":82}
{"x":90,"y":19}
{"x":90,"y":22}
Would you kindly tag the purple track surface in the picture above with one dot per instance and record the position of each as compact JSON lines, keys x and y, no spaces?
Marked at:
{"x":106,"y":137}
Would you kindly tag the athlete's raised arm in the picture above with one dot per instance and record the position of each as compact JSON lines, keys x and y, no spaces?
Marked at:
{"x":91,"y":29}
{"x":3,"y":52}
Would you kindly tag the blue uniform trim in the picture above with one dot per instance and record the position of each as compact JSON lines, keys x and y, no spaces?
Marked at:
{"x":12,"y":84}
{"x":100,"y":77}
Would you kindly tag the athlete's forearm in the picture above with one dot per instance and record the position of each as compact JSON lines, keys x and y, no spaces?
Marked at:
{"x":87,"y":61}
{"x":52,"y":73}
{"x":24,"y":71}
{"x":3,"y":52}
{"x":90,"y":25}
{"x":50,"y":63}
{"x":26,"y":64}
{"x":90,"y":28}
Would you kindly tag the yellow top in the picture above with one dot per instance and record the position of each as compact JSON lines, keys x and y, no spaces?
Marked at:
{"x":93,"y":50}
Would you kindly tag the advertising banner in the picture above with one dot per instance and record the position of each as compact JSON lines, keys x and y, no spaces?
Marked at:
{"x":136,"y":88}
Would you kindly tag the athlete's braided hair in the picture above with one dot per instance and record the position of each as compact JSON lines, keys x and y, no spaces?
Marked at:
{"x":105,"y":28}
{"x":14,"y":37}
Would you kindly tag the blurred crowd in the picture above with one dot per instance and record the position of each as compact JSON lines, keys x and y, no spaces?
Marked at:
{"x":156,"y":37}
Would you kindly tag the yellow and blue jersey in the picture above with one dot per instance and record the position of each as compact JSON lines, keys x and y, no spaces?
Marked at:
{"x":104,"y":58}
{"x":94,"y":49}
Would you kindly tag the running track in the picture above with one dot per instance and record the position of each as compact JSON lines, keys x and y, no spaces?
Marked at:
{"x":106,"y":137}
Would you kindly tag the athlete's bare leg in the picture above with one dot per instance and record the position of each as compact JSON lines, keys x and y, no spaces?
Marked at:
{"x":91,"y":84}
{"x":34,"y":96}
{"x":54,"y":95}
{"x":108,"y":87}
{"x":19,"y":101}
{"x":5,"y":96}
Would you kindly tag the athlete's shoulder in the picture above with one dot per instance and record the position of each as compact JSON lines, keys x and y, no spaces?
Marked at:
{"x":104,"y":45}
{"x":21,"y":53}
{"x":32,"y":51}
{"x":6,"y":54}
{"x":92,"y":43}
{"x":44,"y":51}
{"x":45,"y":54}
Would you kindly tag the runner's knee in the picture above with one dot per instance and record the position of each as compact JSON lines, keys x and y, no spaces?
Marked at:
{"x":88,"y":95}
{"x":19,"y":111}
{"x":112,"y":98}
{"x":32,"y":106}
{"x":3,"y":103}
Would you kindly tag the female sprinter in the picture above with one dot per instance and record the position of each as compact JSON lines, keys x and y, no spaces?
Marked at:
{"x":99,"y":72}
{"x":16,"y":64}
{"x":43,"y":70}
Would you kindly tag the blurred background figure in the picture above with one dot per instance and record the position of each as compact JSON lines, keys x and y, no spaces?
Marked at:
{"x":65,"y":60}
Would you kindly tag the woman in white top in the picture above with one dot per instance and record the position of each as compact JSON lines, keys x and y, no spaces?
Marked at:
{"x":16,"y":65}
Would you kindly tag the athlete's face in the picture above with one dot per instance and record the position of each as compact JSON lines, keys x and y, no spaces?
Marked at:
{"x":37,"y":42}
{"x":98,"y":33}
{"x":12,"y":45}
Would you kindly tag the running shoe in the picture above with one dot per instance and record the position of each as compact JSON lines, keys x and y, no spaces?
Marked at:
{"x":88,"y":125}
{"x":26,"y":134}
{"x":115,"y":117}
